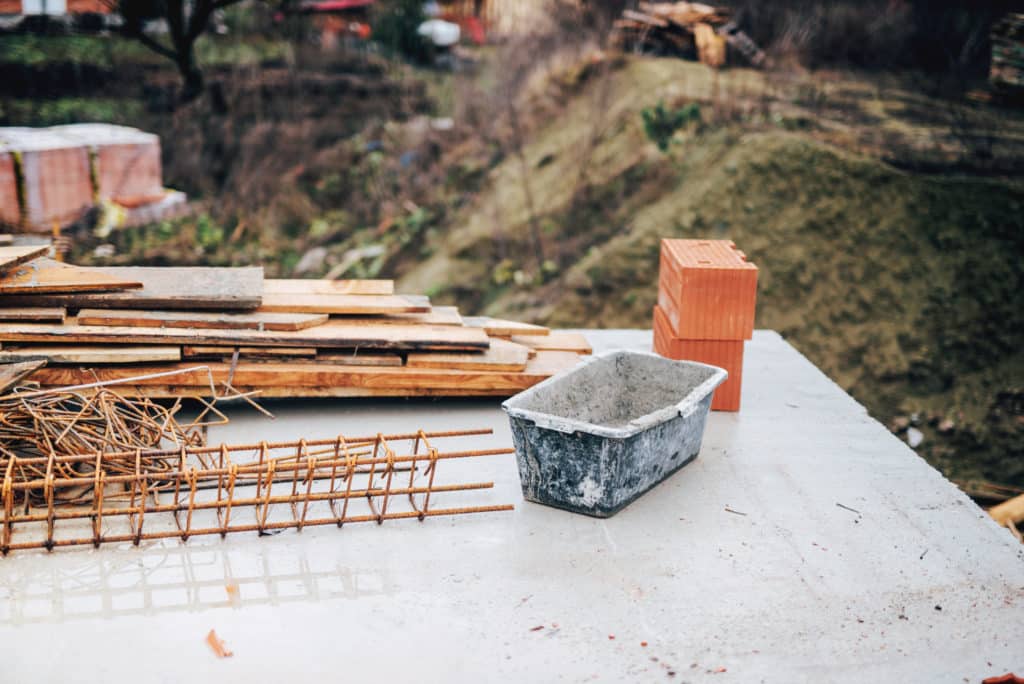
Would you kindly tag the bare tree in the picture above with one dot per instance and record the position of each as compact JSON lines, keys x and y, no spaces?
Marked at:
{"x":186,"y":21}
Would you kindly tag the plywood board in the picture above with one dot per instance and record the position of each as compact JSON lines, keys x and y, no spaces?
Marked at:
{"x":332,"y":334}
{"x":341,"y":304}
{"x":335,"y":287}
{"x":46,"y":276}
{"x":556,"y":341}
{"x":210,"y":351}
{"x":200,"y":319}
{"x":11,"y":256}
{"x":501,"y":355}
{"x":497,"y":327}
{"x":55,"y":314}
{"x":303,"y":379}
{"x":13,"y":373}
{"x":221,"y":289}
{"x":438,"y":315}
{"x":83,"y":354}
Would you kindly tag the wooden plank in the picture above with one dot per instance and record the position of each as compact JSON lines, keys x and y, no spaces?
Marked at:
{"x":55,"y":314}
{"x":334,"y":334}
{"x":438,"y":315}
{"x":356,"y":358}
{"x":12,"y":373}
{"x":221,"y":289}
{"x":341,"y":304}
{"x":280,"y":392}
{"x":328,"y":287}
{"x":46,"y":276}
{"x":11,"y":256}
{"x":105,"y":354}
{"x":305,"y":379}
{"x":200,"y":319}
{"x":497,"y":327}
{"x":556,"y":341}
{"x":209,"y":351}
{"x":502,"y":355}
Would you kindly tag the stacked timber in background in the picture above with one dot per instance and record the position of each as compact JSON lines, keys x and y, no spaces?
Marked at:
{"x":55,"y":175}
{"x":707,"y":292}
{"x":687,"y":29}
{"x":1007,"y":70}
{"x":284,"y":338}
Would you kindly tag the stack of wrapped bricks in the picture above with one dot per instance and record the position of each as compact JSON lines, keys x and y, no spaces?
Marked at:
{"x":706,"y":296}
{"x":54,"y":175}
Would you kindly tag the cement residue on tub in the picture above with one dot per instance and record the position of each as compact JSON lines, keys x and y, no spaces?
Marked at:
{"x":597,"y":437}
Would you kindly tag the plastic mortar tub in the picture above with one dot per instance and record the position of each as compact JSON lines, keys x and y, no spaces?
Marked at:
{"x":593,"y":439}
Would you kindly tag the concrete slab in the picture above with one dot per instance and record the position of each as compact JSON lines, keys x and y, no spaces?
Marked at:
{"x":748,"y":564}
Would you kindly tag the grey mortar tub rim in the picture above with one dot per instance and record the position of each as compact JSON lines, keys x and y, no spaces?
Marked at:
{"x":682,"y":408}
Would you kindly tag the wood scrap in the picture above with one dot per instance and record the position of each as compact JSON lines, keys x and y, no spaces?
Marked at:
{"x":556,"y":341}
{"x":55,"y":314}
{"x":648,"y":19}
{"x":200,"y":319}
{"x":216,"y":645}
{"x":222,"y":289}
{"x":47,"y":276}
{"x":1010,"y":511}
{"x":688,"y":29}
{"x":100,"y":354}
{"x":334,"y":334}
{"x":502,"y":355}
{"x":497,"y":327}
{"x":328,"y":287}
{"x":13,"y":373}
{"x":12,"y":256}
{"x":341,"y":304}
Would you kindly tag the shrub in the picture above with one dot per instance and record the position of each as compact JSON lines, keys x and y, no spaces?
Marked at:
{"x":661,"y":123}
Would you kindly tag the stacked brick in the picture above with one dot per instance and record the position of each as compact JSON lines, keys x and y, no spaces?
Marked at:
{"x":54,"y":175}
{"x":707,"y":292}
{"x":127,"y":161}
{"x":10,"y":212}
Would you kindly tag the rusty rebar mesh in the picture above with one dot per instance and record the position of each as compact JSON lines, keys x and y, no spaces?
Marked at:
{"x":193,"y":491}
{"x":85,"y":465}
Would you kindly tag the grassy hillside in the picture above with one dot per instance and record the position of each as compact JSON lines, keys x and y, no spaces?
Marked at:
{"x":905,"y":288}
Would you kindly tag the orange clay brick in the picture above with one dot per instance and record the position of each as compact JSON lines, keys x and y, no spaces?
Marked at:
{"x":10,"y":213}
{"x":707,"y":289}
{"x":727,"y":354}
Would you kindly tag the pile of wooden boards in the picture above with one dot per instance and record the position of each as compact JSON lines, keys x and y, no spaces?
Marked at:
{"x":1007,"y":69}
{"x":285,"y":338}
{"x":687,"y":29}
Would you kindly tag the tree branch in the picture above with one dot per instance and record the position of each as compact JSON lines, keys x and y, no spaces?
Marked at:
{"x":151,"y":43}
